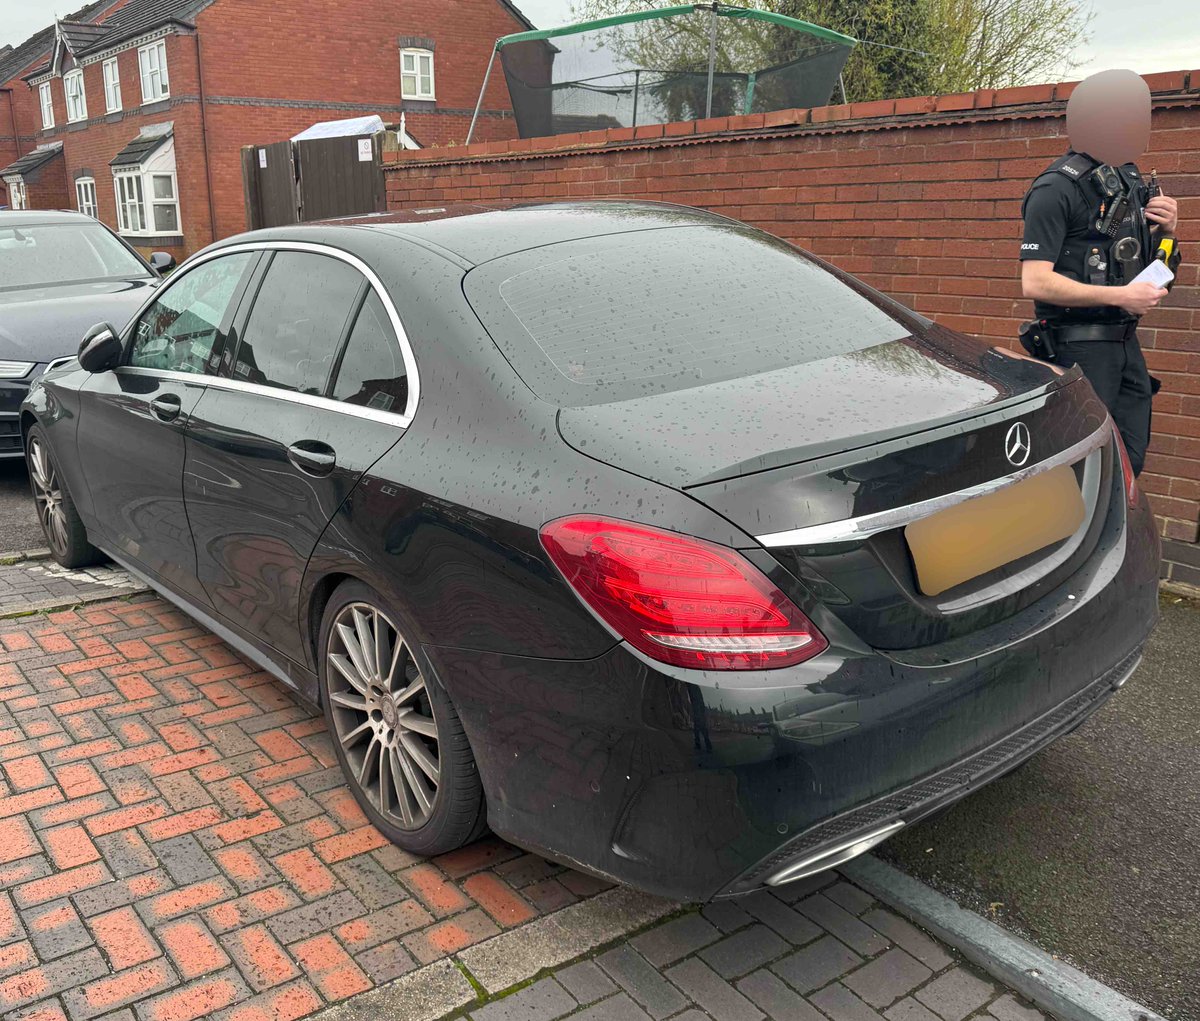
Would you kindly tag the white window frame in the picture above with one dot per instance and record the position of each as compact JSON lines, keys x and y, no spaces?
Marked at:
{"x":112,"y":85}
{"x":85,"y":196}
{"x":17,"y":198}
{"x":46,"y":101}
{"x":75,"y":95}
{"x":152,"y":69}
{"x":134,"y":187}
{"x":416,"y":56}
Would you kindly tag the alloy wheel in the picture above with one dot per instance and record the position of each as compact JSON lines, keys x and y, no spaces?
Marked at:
{"x":382,"y":715}
{"x":48,"y":495}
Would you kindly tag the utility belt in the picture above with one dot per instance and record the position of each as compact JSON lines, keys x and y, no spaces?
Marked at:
{"x":1040,"y":336}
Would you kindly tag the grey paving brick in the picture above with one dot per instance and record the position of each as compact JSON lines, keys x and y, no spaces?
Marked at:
{"x":778,"y":1000}
{"x":905,"y":934}
{"x":842,"y":1005}
{"x":369,"y":882}
{"x":542,"y":1001}
{"x":790,"y":924}
{"x":384,"y":963}
{"x":909,"y":1009}
{"x":622,"y":1008}
{"x":955,"y":994}
{"x":667,"y":943}
{"x":816,"y":964}
{"x":744,"y":951}
{"x":716,"y":996}
{"x":726,"y":915}
{"x":1007,"y":1008}
{"x":586,"y":982}
{"x":838,"y":921}
{"x":850,"y":897}
{"x":888,"y":977}
{"x":302,"y":922}
{"x":692,"y":1014}
{"x":56,"y":930}
{"x":184,"y":859}
{"x":183,"y":791}
{"x":642,"y":982}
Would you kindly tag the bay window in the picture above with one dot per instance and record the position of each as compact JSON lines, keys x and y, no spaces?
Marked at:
{"x":147,"y":202}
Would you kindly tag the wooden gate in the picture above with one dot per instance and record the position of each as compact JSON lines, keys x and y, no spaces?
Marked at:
{"x":269,"y":180}
{"x":313,"y":179}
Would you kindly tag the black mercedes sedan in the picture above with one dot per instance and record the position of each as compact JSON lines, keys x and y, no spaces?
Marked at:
{"x":656,"y":545}
{"x":59,"y":273}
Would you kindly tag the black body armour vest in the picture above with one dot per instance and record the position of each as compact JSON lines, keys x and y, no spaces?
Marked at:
{"x":1106,"y":256}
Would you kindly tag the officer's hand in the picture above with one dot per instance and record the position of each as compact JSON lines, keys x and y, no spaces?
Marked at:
{"x":1138,"y":299}
{"x":1164,"y":211}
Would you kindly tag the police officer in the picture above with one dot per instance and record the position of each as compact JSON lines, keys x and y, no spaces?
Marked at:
{"x":1091,"y":225}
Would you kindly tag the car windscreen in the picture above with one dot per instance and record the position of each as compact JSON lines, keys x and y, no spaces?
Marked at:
{"x":631,"y":315}
{"x":38,"y":254}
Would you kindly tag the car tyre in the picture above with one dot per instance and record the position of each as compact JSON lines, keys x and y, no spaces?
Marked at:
{"x":395,"y":731}
{"x":61,"y":525}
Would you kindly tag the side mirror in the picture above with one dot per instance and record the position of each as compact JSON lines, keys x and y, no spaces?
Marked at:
{"x":162,"y":262}
{"x":100,"y":349}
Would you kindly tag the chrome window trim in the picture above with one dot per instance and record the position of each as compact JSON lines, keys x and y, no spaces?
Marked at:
{"x":852,"y":529}
{"x":406,"y":353}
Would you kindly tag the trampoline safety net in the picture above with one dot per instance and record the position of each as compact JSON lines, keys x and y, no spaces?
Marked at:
{"x":668,"y":64}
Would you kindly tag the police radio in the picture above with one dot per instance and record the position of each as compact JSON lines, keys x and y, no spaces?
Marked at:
{"x":1114,"y":204}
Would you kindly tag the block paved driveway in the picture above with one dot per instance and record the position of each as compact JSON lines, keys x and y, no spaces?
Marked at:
{"x":176,"y":842}
{"x":175,"y":834}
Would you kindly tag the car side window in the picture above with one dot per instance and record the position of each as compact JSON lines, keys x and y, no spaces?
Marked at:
{"x":179,"y":330}
{"x":297,"y":323}
{"x":372,"y":373}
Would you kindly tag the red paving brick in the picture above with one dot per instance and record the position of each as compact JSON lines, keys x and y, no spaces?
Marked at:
{"x":150,"y":734}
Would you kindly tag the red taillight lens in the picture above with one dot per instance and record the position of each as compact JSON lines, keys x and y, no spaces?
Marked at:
{"x":1131,"y":486}
{"x":678,"y":599}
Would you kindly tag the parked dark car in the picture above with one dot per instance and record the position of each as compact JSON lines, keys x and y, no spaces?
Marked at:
{"x":60,"y":272}
{"x":657,"y":545}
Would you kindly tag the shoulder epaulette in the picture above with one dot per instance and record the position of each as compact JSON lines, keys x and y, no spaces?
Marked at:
{"x":1074,"y":165}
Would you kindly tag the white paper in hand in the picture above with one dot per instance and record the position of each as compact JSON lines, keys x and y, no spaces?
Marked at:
{"x":1156,"y":273}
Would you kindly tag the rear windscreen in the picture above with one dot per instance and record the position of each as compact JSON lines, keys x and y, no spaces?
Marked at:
{"x":630,"y":315}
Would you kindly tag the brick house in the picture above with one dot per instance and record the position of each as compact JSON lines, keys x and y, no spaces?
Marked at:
{"x":135,"y":111}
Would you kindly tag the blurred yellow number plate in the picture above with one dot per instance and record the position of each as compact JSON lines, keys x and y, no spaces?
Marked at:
{"x":979,"y":535}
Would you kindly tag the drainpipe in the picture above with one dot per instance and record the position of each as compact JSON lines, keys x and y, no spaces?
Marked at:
{"x":212,"y":215}
{"x":12,"y":116}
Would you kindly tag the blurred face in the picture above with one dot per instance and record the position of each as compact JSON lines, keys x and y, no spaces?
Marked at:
{"x":1108,"y":117}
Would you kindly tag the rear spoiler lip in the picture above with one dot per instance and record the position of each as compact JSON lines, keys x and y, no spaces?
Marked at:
{"x":857,"y":528}
{"x":868,"y":440}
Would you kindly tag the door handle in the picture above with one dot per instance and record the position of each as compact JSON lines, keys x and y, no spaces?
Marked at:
{"x":166,"y":407}
{"x":312,"y":457}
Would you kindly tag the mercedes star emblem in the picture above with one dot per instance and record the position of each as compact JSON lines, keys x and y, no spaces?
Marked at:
{"x":1017,"y":445}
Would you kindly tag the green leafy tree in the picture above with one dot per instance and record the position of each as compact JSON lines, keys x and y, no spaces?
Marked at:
{"x":907,"y":47}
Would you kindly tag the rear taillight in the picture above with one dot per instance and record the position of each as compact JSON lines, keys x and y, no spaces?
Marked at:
{"x":1131,"y":486}
{"x":678,"y":599}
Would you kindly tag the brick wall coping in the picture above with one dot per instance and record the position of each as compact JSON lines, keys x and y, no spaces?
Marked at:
{"x":1168,"y":89}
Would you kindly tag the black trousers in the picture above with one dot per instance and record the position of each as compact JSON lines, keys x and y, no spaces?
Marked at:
{"x":1118,"y":374}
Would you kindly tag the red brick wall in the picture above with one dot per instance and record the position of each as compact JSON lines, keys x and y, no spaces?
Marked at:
{"x":46,"y":187}
{"x":920,"y":197}
{"x":350,"y":56}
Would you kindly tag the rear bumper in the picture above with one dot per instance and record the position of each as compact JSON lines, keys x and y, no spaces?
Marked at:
{"x":697,"y":785}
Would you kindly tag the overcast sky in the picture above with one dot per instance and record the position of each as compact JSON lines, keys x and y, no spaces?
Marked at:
{"x":1161,"y":37}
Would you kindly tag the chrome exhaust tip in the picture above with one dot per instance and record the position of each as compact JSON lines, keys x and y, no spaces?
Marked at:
{"x":834,"y":856}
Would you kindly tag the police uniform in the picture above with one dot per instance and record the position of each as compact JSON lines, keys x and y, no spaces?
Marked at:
{"x":1064,"y":224}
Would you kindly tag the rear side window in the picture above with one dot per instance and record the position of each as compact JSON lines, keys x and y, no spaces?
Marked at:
{"x":372,"y":373}
{"x":297,"y":323}
{"x":630,"y":315}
